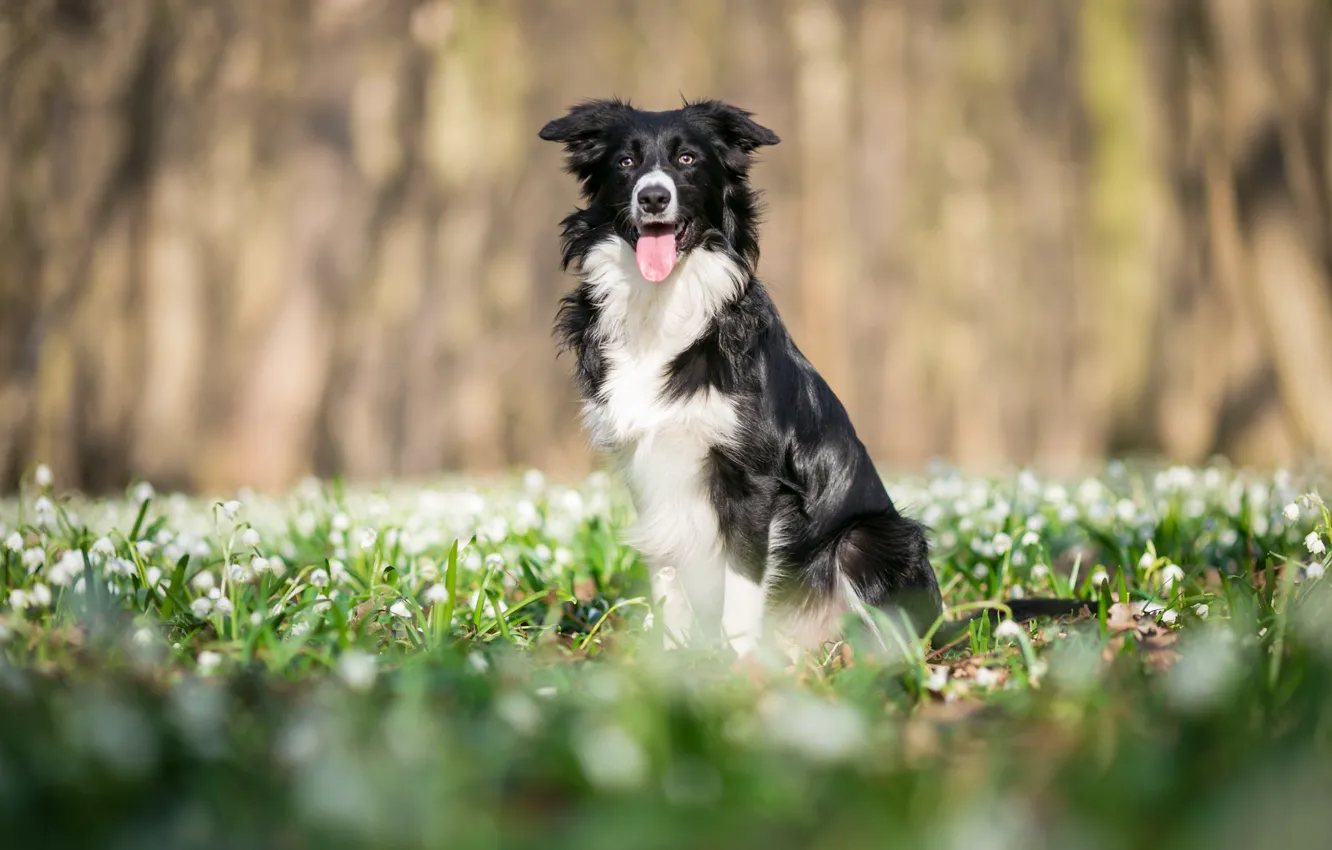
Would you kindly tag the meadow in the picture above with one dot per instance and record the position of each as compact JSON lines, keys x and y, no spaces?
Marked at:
{"x":458,"y":664}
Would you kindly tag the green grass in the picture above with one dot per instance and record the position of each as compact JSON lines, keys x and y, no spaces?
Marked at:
{"x":448,"y":666}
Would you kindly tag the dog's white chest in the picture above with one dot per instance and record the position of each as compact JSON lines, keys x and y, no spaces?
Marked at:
{"x":661,"y":444}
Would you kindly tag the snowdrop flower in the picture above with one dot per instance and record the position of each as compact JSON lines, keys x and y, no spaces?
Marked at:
{"x":145,"y":548}
{"x":1171,"y":574}
{"x":938,"y":678}
{"x":45,"y":510}
{"x":398,"y":609}
{"x":1291,"y":512}
{"x":214,"y":593}
{"x":14,"y":542}
{"x":40,"y":595}
{"x":143,"y":491}
{"x":1314,"y":571}
{"x":208,"y":661}
{"x":322,"y":604}
{"x":534,"y":482}
{"x":101,"y":549}
{"x":256,"y":618}
{"x":18,"y":599}
{"x":1314,"y":543}
{"x":1099,"y":577}
{"x":1002,"y":543}
{"x":436,"y":593}
{"x":337,"y":570}
{"x":1040,"y":571}
{"x":980,"y":571}
{"x":986,"y":677}
{"x":34,"y":558}
{"x":1007,"y":630}
{"x":224,"y":607}
{"x":357,"y":669}
{"x":66,"y":569}
{"x":201,"y":606}
{"x":1068,"y":512}
{"x":1169,"y":616}
{"x":42,"y":476}
{"x":366,"y":537}
{"x":494,"y":561}
{"x":1201,"y":610}
{"x":305,"y":524}
{"x":340,"y":522}
{"x":319,"y":577}
{"x":260,"y":565}
{"x":231,"y":508}
{"x":249,"y":537}
{"x":203,"y":581}
{"x":1030,"y":538}
{"x":1146,"y":561}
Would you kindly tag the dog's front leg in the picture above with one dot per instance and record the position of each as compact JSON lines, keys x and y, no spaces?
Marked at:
{"x":742,"y":612}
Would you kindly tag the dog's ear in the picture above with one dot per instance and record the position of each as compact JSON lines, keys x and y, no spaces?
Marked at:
{"x":583,"y":131}
{"x":739,"y":132}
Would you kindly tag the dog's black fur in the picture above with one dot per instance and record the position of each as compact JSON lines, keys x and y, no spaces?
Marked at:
{"x":798,"y":464}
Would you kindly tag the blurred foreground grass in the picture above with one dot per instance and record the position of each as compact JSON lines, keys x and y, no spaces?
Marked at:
{"x":456,"y":666}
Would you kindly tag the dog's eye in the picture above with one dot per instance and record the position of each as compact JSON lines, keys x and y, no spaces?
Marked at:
{"x":626,"y":162}
{"x":685,"y":159}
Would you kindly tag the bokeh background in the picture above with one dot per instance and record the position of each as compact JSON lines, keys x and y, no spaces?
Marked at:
{"x":242,"y":241}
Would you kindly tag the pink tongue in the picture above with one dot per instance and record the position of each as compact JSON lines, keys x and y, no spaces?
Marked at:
{"x":656,"y":252}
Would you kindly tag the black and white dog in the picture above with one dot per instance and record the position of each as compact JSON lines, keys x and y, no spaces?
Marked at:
{"x":759,"y":510}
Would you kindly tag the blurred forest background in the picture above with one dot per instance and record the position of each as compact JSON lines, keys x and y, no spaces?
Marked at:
{"x":246,"y":240}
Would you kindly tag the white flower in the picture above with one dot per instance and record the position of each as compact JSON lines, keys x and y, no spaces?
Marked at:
{"x":1099,"y":577}
{"x":1314,"y":570}
{"x":534,"y":481}
{"x":1291,"y":512}
{"x":1169,"y":616}
{"x":399,"y":609}
{"x":1040,"y":571}
{"x":214,"y":593}
{"x":40,"y":595}
{"x":986,"y":677}
{"x":1314,"y":543}
{"x":42,"y":476}
{"x":143,"y":491}
{"x":18,"y":599}
{"x":45,"y":510}
{"x":436,"y":593}
{"x":1201,"y":610}
{"x":208,"y":661}
{"x":365,"y":538}
{"x":340,"y":521}
{"x":1146,"y":560}
{"x":14,"y":542}
{"x":322,"y":604}
{"x":980,"y":571}
{"x":231,"y":508}
{"x":224,"y":607}
{"x":201,"y":606}
{"x":145,"y":548}
{"x":249,"y":537}
{"x":938,"y":678}
{"x":337,"y":570}
{"x":66,"y":569}
{"x":357,"y":669}
{"x":34,"y":558}
{"x":319,"y":577}
{"x":256,"y":618}
{"x":1171,"y":574}
{"x":494,"y":561}
{"x":1030,"y":538}
{"x":203,"y":581}
{"x":259,"y":565}
{"x":144,"y":636}
{"x":1007,"y":630}
{"x":102,"y":549}
{"x":153,"y":574}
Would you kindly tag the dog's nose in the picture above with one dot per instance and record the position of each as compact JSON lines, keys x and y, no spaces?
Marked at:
{"x":654,"y":199}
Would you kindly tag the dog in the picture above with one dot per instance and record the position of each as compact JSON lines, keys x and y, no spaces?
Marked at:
{"x":759,"y":511}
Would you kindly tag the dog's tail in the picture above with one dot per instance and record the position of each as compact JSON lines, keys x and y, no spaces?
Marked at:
{"x":951,"y":631}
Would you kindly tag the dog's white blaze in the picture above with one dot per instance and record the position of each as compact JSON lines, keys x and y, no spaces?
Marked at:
{"x":655,"y":177}
{"x":661,"y":445}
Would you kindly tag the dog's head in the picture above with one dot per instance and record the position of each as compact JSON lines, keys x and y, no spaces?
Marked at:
{"x":665,"y":182}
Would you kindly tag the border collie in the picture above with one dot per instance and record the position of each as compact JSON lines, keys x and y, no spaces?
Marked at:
{"x":759,"y":511}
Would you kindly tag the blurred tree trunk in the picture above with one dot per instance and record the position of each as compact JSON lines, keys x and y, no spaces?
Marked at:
{"x":241,"y":242}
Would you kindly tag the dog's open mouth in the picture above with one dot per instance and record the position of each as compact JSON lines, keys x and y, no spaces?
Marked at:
{"x":658,"y":249}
